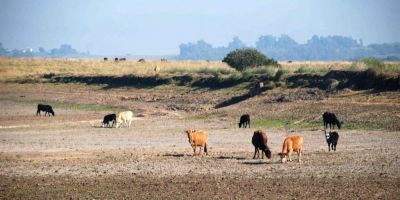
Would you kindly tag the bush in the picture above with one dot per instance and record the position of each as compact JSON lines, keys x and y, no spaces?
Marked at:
{"x":281,"y":75}
{"x":240,"y":59}
{"x":373,"y":63}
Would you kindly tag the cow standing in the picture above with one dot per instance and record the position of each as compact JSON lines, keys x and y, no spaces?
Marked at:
{"x":331,"y":120}
{"x":244,"y":121}
{"x":47,"y":109}
{"x":109,"y":118}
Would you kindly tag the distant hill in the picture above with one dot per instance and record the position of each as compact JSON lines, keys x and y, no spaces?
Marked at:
{"x":285,"y":48}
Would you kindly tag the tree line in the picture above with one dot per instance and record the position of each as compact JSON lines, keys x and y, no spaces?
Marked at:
{"x":285,"y":48}
{"x":65,"y":50}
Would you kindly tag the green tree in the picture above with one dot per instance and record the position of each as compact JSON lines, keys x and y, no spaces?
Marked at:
{"x":241,"y":59}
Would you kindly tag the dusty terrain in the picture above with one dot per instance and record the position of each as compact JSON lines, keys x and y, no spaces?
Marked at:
{"x":71,"y":156}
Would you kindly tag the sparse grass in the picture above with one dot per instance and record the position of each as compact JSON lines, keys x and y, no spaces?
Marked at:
{"x":315,"y":66}
{"x":263,"y":70}
{"x":67,"y":106}
{"x":310,"y":70}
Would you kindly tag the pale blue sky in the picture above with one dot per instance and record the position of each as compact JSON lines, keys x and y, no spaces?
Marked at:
{"x":151,"y":27}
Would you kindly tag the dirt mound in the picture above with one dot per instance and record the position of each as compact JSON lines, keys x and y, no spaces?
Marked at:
{"x":356,"y":80}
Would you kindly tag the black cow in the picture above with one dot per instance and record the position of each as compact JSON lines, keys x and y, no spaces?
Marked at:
{"x":122,"y":59}
{"x":141,"y":60}
{"x":332,"y":139}
{"x":105,"y":58}
{"x":109,"y":118}
{"x":259,"y":141}
{"x":116,"y":59}
{"x":45,"y":108}
{"x":330,"y":118}
{"x":244,"y":121}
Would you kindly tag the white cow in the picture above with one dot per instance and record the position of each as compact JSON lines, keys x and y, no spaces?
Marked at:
{"x":124,"y":117}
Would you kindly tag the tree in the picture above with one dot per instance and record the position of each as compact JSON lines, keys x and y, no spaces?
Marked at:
{"x":241,"y":59}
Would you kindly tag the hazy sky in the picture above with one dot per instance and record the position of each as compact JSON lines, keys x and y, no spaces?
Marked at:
{"x":151,"y":27}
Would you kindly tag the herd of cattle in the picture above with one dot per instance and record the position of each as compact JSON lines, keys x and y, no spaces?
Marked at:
{"x":141,"y":60}
{"x":199,"y":138}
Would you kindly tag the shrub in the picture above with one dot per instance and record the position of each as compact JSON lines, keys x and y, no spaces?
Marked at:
{"x":240,"y":59}
{"x":372,"y":62}
{"x":281,"y":75}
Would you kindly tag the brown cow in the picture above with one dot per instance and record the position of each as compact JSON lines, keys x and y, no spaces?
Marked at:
{"x":292,"y":143}
{"x":197,"y":138}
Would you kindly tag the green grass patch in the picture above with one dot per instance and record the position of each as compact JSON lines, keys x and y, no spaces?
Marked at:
{"x":384,"y":124}
{"x":285,"y":123}
{"x":272,"y":123}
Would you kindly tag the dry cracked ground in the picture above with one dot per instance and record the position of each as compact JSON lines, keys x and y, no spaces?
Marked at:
{"x":70,"y":156}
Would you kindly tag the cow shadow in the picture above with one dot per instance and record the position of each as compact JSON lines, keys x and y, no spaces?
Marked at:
{"x":230,"y":158}
{"x":176,"y":155}
{"x":260,"y":162}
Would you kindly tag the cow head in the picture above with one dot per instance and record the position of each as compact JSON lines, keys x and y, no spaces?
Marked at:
{"x":268,"y":153}
{"x":283,"y":157}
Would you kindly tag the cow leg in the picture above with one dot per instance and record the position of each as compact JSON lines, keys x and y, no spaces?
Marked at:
{"x":299,"y":155}
{"x":329,"y":147}
{"x":290,"y":154}
{"x":255,"y":152}
{"x":194,"y":151}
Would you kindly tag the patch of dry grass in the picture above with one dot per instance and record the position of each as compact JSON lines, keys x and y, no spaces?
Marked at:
{"x":15,"y":68}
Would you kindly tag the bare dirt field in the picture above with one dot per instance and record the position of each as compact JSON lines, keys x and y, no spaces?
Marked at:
{"x":70,"y":156}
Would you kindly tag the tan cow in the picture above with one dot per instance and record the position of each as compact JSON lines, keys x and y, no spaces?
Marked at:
{"x":292,"y":143}
{"x":156,"y":69}
{"x":197,"y":138}
{"x":125,"y":117}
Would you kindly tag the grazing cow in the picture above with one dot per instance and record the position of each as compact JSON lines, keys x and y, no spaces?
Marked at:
{"x":109,"y":118}
{"x":164,"y":60}
{"x":122,"y":59}
{"x":125,"y":117}
{"x":47,"y":109}
{"x":116,"y":59}
{"x":105,"y":58}
{"x":259,"y":141}
{"x":141,"y":60}
{"x":197,"y":139}
{"x":292,"y":143}
{"x":244,"y":121}
{"x":156,"y":69}
{"x":330,"y":118}
{"x":332,"y":138}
